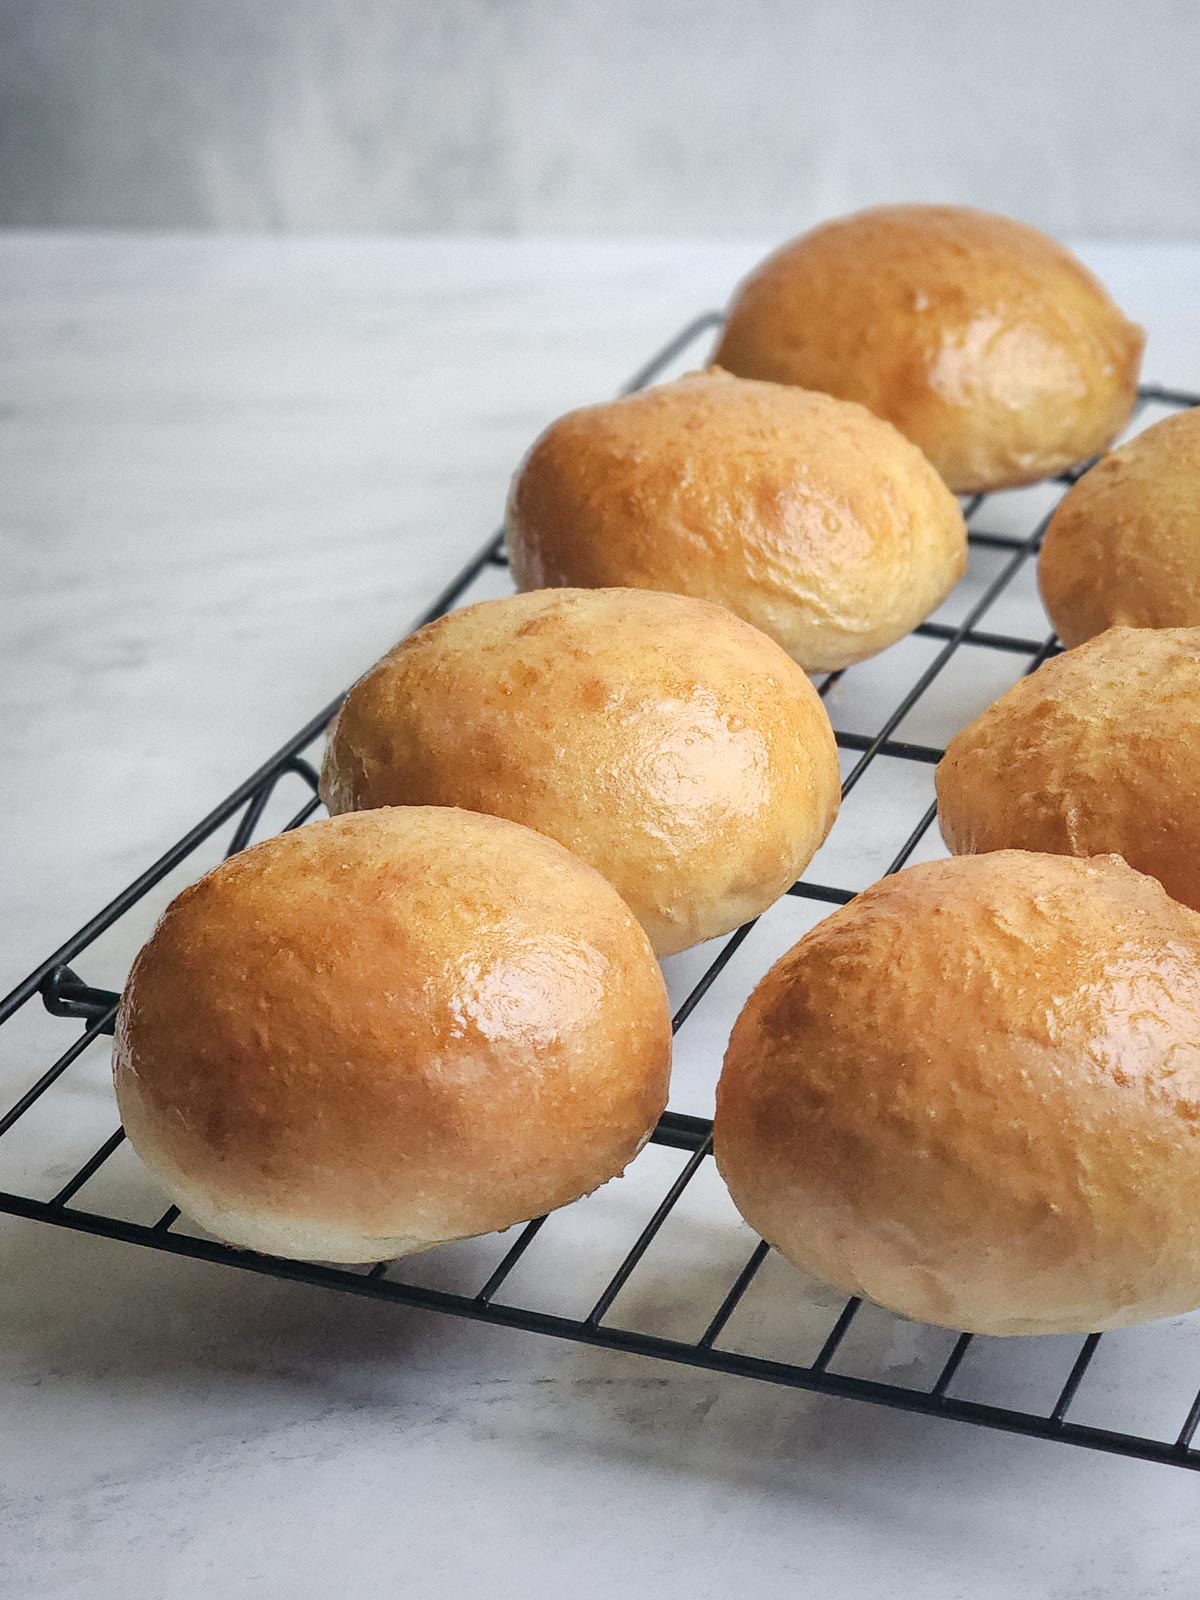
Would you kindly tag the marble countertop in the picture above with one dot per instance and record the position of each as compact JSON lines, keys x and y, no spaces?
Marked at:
{"x":233,"y":472}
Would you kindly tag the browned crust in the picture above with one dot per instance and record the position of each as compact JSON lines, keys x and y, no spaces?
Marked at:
{"x":984,"y":341}
{"x":973,"y":1095}
{"x":411,"y":1024}
{"x":671,"y":745}
{"x":807,"y":516}
{"x":1123,"y":547}
{"x":1098,"y":751}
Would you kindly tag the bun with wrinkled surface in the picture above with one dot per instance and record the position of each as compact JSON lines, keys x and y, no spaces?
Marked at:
{"x":973,"y":1095}
{"x":1097,"y":751}
{"x":660,"y":738}
{"x":805,"y":515}
{"x":389,"y":1030}
{"x":984,"y":341}
{"x":1123,"y":547}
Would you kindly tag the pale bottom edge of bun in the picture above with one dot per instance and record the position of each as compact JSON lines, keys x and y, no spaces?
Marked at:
{"x":994,"y":1320}
{"x":299,"y":1238}
{"x":931,"y":1295}
{"x":296,"y":1238}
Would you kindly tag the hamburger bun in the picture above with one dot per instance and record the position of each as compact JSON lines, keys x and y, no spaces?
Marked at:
{"x":1097,"y":751}
{"x":805,"y":515}
{"x":669,"y":744}
{"x":984,"y":341}
{"x":973,"y":1095}
{"x":1123,"y":547}
{"x":389,"y":1030}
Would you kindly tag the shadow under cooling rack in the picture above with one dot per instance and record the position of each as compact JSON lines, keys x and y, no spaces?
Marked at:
{"x":892,"y":717}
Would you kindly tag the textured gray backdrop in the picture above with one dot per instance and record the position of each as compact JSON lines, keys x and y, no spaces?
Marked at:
{"x":607,"y":115}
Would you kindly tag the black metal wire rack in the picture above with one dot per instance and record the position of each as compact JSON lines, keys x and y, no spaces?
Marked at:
{"x":877,"y":712}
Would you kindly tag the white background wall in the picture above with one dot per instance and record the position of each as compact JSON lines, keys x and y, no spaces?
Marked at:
{"x":606,"y":115}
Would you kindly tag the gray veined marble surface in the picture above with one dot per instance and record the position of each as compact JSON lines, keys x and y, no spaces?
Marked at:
{"x":233,"y":472}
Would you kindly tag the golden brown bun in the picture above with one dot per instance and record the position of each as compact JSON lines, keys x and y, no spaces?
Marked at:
{"x":973,"y":1095}
{"x":669,"y":744}
{"x":1098,"y":751}
{"x":807,"y":516}
{"x":1124,"y":543}
{"x":389,"y":1030}
{"x":984,"y":341}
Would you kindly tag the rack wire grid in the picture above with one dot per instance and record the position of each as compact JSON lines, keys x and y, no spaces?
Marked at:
{"x":685,"y":1280}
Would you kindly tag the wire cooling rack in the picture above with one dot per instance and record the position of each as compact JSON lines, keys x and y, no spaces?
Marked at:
{"x":690,"y":1284}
